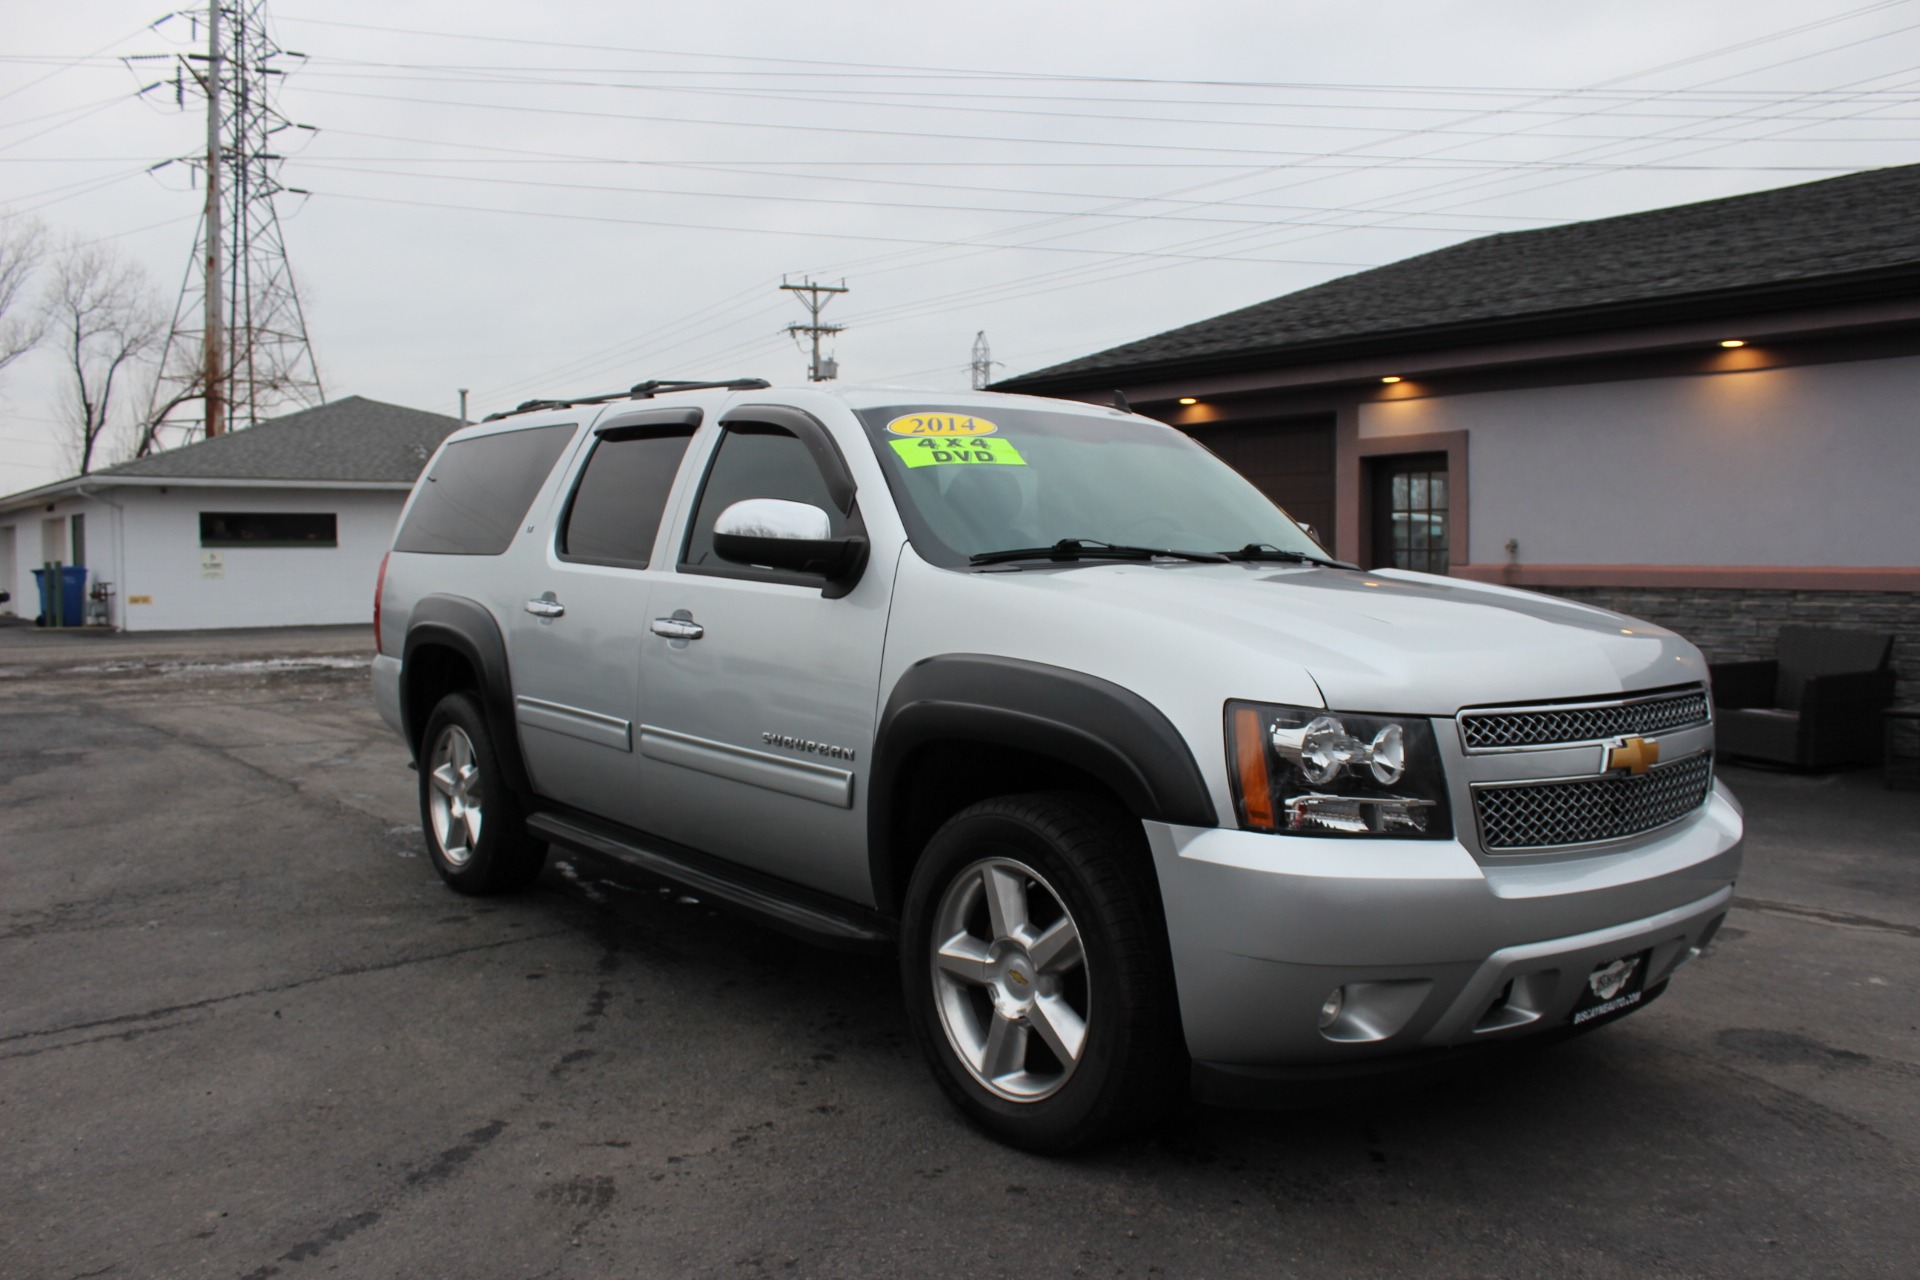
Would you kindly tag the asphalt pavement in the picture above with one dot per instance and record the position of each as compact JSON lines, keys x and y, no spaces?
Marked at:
{"x":245,"y":1031}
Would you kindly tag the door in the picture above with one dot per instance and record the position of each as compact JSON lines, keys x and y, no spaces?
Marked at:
{"x":758,"y":689}
{"x":1410,"y":512}
{"x":576,"y":635}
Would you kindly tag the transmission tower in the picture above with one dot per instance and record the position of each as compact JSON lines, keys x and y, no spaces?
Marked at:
{"x":815,"y":297}
{"x":238,"y":344}
{"x":983,"y":361}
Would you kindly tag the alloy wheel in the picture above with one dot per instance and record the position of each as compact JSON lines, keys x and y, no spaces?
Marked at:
{"x":453,"y":801}
{"x":1010,"y":979}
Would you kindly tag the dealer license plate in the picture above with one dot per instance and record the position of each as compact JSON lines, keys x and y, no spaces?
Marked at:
{"x":1612,"y":987}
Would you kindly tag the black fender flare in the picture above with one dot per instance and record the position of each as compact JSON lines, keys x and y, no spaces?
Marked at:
{"x":469,"y":629}
{"x":1103,"y":729}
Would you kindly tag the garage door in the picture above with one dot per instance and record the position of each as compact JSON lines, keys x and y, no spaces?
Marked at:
{"x":1291,"y":461}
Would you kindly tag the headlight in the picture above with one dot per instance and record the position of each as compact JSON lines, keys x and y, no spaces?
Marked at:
{"x":1310,"y":772}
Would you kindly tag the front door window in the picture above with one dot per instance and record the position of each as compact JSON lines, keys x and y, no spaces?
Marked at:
{"x":1410,"y":513}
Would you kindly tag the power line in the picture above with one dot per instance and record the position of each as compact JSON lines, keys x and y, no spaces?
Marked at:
{"x":920,"y":101}
{"x":769,"y":197}
{"x":70,"y":63}
{"x":807,"y":234}
{"x":922,"y":136}
{"x":1066,"y":277}
{"x":838,"y":67}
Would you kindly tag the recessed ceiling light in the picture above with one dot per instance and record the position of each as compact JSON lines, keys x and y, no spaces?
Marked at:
{"x":1733,"y":342}
{"x":1188,"y":400}
{"x":1392,"y":377}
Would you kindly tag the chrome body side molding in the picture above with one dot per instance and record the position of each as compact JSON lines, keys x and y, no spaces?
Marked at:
{"x":575,"y":722}
{"x":820,"y":783}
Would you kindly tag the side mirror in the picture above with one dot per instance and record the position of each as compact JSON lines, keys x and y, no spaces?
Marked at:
{"x":787,"y":535}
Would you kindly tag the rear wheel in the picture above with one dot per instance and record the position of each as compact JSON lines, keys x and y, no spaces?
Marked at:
{"x":474,"y":824}
{"x":1035,"y":968}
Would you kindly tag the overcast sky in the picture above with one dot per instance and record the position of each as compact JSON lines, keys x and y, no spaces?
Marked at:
{"x":562,"y":199}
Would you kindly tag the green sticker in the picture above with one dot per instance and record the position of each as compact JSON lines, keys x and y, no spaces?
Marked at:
{"x":949,"y":451}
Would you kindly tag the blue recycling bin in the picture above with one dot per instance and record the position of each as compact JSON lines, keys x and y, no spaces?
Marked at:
{"x":73,"y":595}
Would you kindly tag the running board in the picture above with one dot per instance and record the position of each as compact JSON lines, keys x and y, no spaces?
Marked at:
{"x":788,"y":908}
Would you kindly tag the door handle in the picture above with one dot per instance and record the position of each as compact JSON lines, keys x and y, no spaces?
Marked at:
{"x":546,"y":607}
{"x":678,"y":628}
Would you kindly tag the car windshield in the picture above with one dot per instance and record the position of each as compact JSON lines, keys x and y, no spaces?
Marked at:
{"x":997,"y":478}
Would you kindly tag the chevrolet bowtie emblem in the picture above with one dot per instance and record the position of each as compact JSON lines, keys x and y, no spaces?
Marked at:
{"x":1633,"y":755}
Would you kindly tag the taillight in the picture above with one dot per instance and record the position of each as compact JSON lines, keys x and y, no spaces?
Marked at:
{"x":379,"y":589}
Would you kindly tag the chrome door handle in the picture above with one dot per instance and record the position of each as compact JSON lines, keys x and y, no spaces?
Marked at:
{"x":546,"y":608}
{"x":678,"y":628}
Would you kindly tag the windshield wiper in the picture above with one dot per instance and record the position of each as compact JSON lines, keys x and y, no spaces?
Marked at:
{"x":1267,"y":551}
{"x":1070,"y":549}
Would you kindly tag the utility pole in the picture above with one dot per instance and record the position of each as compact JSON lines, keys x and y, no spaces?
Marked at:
{"x":213,"y":371}
{"x":238,"y":343}
{"x":983,"y":361}
{"x":815,"y":297}
{"x":463,"y":406}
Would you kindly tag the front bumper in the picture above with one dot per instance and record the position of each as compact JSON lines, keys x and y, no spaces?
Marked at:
{"x":1434,"y":948}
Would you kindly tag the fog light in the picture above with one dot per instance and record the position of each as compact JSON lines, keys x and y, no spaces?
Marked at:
{"x":1330,"y":1008}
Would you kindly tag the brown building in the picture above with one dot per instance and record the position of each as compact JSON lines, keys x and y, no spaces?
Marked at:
{"x":1707,"y":415}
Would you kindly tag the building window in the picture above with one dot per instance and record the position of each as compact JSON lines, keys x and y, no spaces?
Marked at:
{"x":1410,"y":525}
{"x":268,"y":529}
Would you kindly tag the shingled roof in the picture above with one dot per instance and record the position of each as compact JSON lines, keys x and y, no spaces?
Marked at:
{"x":352,"y":440}
{"x":1854,"y":236}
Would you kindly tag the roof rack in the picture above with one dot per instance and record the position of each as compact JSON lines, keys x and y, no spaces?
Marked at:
{"x":638,"y":391}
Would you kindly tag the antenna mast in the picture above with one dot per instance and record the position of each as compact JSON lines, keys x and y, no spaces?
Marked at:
{"x":238,"y":343}
{"x":815,"y":297}
{"x":983,"y":361}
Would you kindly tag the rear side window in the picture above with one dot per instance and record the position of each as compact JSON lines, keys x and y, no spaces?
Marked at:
{"x":479,"y":492}
{"x":755,"y":461}
{"x":616,"y":508}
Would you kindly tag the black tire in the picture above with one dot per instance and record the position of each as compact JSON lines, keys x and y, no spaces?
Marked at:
{"x":1089,"y":859}
{"x":500,"y":857}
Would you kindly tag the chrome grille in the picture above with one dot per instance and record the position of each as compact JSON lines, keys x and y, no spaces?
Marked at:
{"x":1502,"y":730}
{"x":1544,"y":814}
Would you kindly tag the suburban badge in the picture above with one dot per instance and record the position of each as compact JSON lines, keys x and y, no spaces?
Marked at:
{"x":808,"y":745}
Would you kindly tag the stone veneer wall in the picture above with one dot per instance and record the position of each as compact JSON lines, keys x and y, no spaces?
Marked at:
{"x":1730,"y":624}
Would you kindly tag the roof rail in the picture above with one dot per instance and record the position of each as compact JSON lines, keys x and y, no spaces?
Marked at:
{"x":652,"y":386}
{"x":638,"y":391}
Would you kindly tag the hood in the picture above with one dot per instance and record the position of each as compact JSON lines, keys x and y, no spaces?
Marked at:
{"x":1392,"y":641}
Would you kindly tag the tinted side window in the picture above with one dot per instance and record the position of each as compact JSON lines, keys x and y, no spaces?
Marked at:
{"x":622,"y":494}
{"x":755,"y":462}
{"x":479,"y":492}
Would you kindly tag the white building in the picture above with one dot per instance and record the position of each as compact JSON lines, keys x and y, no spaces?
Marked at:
{"x":282,"y":524}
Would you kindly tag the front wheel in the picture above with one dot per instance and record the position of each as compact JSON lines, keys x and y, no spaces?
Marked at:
{"x":1034,"y":963}
{"x":472,"y":820}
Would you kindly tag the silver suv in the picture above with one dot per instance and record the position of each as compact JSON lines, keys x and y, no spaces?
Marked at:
{"x":1143,"y":787}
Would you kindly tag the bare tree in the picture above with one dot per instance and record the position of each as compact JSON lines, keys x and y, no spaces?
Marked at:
{"x":104,"y":318}
{"x":185,"y":381}
{"x":21,"y":241}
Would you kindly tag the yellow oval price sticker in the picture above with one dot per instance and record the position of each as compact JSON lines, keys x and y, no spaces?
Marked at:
{"x":941,"y":424}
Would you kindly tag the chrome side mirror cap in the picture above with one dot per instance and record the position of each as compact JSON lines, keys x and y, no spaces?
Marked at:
{"x":773,"y":518}
{"x":774,"y":533}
